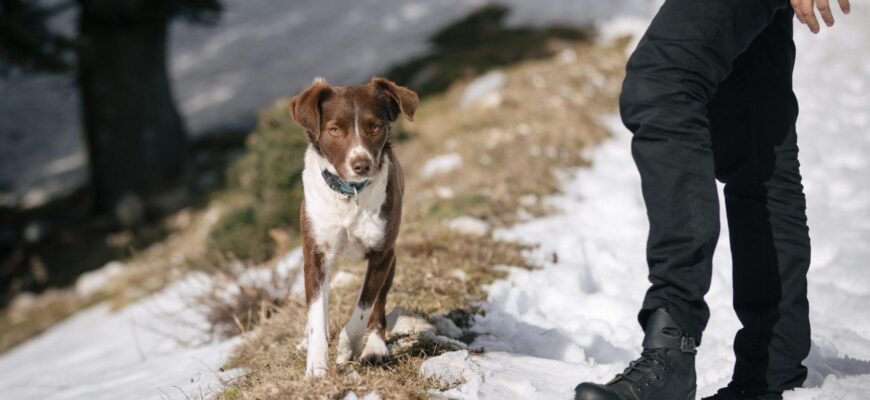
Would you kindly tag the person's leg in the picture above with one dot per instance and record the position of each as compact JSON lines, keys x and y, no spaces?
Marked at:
{"x":752,"y":119}
{"x":672,"y":75}
{"x":686,"y":52}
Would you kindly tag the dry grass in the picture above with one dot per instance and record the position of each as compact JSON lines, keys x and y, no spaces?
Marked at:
{"x":548,"y":112}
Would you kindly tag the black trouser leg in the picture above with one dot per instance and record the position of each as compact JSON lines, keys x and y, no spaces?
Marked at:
{"x":752,"y":121}
{"x":687,"y":51}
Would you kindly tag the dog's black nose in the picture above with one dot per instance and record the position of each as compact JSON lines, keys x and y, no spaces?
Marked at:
{"x":361,"y":166}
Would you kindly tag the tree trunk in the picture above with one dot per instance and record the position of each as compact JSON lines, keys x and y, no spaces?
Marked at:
{"x":135,"y":136}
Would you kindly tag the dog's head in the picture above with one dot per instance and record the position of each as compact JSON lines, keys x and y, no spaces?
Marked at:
{"x":350,"y":126}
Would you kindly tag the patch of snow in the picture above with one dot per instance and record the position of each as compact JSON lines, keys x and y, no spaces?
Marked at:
{"x":483,"y":89}
{"x":342,"y":279}
{"x":469,"y":226}
{"x":449,"y":368}
{"x":444,"y":192}
{"x":371,"y":396}
{"x":156,"y":348}
{"x":574,"y":319}
{"x":441,"y":165}
{"x":92,"y":282}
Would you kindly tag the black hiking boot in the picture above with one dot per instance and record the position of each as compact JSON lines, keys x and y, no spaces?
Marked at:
{"x":732,"y":392}
{"x":665,"y":369}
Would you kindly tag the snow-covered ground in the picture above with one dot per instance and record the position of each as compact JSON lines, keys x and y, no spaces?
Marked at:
{"x":574,"y":320}
{"x":223,"y":74}
{"x":157,"y":348}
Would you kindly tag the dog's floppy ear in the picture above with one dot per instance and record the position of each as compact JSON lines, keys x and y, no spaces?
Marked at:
{"x":305,"y":107}
{"x":404,"y":100}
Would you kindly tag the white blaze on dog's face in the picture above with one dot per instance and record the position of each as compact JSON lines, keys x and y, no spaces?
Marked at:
{"x":350,"y":126}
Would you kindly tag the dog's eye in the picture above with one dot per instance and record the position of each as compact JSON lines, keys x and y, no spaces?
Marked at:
{"x":333,"y":130}
{"x":375,"y":128}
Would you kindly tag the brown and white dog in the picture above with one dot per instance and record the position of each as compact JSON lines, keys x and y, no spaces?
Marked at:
{"x":352,"y":208}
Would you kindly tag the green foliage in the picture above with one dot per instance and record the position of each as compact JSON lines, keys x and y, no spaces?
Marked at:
{"x":231,"y":393}
{"x":475,"y":44}
{"x":269,"y":178}
{"x":466,"y":203}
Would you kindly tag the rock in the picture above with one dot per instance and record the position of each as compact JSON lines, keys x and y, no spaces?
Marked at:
{"x":469,"y":226}
{"x":444,"y":340}
{"x":483,"y":89}
{"x":446,"y":327}
{"x":402,"y":322}
{"x":459,"y":274}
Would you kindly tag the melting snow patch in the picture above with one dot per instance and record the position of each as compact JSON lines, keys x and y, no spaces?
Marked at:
{"x":371,"y":396}
{"x":92,"y":282}
{"x":469,"y":226}
{"x":158,"y":347}
{"x":441,"y":165}
{"x":483,"y":89}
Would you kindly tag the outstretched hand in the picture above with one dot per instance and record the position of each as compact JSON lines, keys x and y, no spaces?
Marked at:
{"x":805,"y":12}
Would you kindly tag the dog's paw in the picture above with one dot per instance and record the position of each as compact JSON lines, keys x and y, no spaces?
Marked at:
{"x":376,"y":350}
{"x":316,"y":371}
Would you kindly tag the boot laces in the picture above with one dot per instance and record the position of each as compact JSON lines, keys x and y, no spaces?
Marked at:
{"x":645,"y":370}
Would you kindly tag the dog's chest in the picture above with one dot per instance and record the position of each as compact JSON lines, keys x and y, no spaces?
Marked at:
{"x":342,"y":226}
{"x":348,"y":230}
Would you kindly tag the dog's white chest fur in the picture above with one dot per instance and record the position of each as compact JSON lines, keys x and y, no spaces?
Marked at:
{"x":342,"y":226}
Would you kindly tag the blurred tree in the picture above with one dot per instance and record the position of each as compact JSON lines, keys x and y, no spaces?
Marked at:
{"x":135,"y":136}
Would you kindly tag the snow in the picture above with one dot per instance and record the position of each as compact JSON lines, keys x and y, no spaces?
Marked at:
{"x":224,"y":73}
{"x":469,"y":226}
{"x":440,"y":165}
{"x":352,"y":396}
{"x":156,"y":348}
{"x":574,"y":320}
{"x":482,"y":87}
{"x":544,"y":330}
{"x":92,"y":282}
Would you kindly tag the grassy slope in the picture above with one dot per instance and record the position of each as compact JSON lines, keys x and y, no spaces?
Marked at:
{"x":547,"y":113}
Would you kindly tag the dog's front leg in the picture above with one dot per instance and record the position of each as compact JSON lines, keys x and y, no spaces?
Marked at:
{"x":317,"y":299}
{"x":350,"y":341}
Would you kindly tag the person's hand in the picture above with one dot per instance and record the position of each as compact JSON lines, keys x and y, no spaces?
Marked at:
{"x":805,"y":12}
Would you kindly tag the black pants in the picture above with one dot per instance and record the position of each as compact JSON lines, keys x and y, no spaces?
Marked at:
{"x":708,"y":94}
